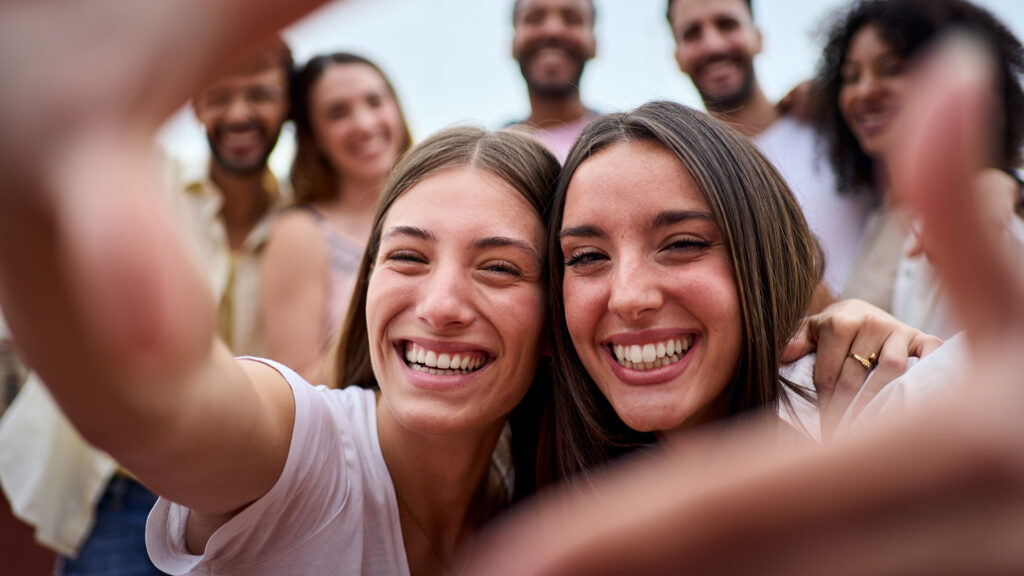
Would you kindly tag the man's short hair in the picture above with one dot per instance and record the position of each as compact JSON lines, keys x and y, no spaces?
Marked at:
{"x":668,"y":10}
{"x":515,"y":11}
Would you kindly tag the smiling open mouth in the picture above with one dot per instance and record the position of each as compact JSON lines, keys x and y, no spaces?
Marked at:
{"x":443,"y":363}
{"x":653,"y":355}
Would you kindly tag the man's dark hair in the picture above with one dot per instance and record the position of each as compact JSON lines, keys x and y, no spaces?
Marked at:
{"x":515,"y":11}
{"x":668,"y":10}
{"x":909,"y":26}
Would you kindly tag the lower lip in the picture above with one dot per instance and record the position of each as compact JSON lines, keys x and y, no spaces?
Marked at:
{"x":437,"y":382}
{"x":650,"y":377}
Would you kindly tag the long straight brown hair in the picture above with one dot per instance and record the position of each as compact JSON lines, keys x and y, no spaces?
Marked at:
{"x":776,"y":261}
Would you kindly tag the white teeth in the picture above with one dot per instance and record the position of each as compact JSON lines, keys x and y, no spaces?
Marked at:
{"x":650,"y":353}
{"x":654,"y":355}
{"x":443,"y":363}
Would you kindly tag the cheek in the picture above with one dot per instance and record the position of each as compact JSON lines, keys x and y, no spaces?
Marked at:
{"x":385,"y":298}
{"x":335,"y":134}
{"x":275,"y":117}
{"x":584,"y":308}
{"x":725,"y":320}
{"x":520,"y":317}
{"x":683,"y":59}
{"x":897,"y":88}
{"x":394,"y":122}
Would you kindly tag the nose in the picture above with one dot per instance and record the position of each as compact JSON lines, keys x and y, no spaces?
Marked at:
{"x":444,"y":299}
{"x":363,"y":118}
{"x":713,"y":41}
{"x":634,"y":290}
{"x":553,"y":25}
{"x":238,"y":110}
{"x":869,"y":86}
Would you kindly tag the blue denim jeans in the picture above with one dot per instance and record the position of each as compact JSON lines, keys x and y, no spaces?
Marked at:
{"x":117,"y":544}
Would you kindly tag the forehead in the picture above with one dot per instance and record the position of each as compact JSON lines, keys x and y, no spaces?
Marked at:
{"x":242,"y":80}
{"x":630,"y":178}
{"x":526,"y":6}
{"x":867,"y":42}
{"x":686,"y":11}
{"x":467,"y":201}
{"x":340,"y":80}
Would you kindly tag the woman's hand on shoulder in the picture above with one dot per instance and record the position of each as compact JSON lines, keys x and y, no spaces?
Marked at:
{"x":841,"y":333}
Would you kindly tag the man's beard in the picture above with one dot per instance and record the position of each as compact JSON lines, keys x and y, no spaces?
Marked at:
{"x":239,"y":167}
{"x":734,"y":100}
{"x":552,"y":89}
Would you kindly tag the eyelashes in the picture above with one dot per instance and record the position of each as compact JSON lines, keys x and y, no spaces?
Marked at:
{"x":682,"y":247}
{"x":406,"y":257}
{"x":583,"y":258}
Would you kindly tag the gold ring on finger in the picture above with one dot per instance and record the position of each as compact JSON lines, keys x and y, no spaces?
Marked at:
{"x":868,"y":362}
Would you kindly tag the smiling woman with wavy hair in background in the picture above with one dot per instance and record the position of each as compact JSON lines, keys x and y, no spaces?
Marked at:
{"x":350,"y":132}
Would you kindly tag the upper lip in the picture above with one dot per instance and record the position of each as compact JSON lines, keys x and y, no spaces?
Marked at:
{"x":647,"y":336}
{"x":445,"y":346}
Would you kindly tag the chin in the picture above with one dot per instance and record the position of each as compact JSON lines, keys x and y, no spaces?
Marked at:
{"x":648,"y":418}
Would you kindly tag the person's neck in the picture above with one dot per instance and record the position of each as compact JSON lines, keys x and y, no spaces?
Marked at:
{"x":547,"y":111}
{"x":245,"y":201}
{"x":751,"y":118}
{"x":439,"y":482}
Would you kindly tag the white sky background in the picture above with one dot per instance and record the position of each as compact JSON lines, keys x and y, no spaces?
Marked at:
{"x":450,"y":60}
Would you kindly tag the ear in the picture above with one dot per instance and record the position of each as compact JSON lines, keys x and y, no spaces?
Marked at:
{"x":759,"y":45}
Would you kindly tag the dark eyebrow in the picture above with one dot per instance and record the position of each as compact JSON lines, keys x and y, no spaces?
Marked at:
{"x":660,"y":221}
{"x":585,"y":231}
{"x":503,"y":241}
{"x":409,"y":231}
{"x":670,"y":218}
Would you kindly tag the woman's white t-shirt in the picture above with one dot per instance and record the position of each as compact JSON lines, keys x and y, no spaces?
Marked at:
{"x":332,"y":511}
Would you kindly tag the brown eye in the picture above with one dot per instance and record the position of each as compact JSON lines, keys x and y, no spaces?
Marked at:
{"x":583,"y":258}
